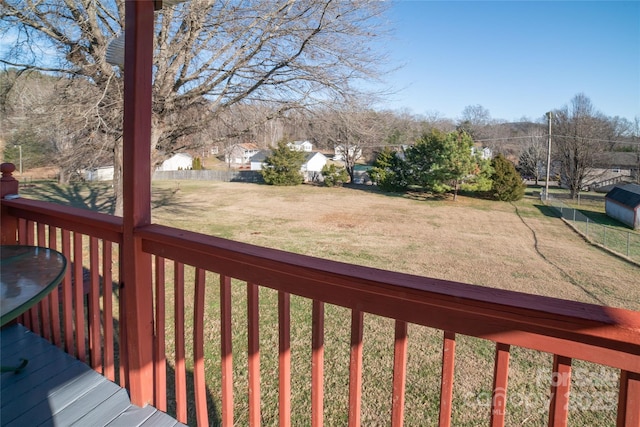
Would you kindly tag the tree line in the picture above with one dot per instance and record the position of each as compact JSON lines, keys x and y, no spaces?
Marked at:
{"x":232,"y":72}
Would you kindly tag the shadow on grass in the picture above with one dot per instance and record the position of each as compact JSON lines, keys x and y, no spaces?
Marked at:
{"x":580,"y":215}
{"x":94,"y":197}
{"x":100,"y":197}
{"x":549,"y":211}
{"x":412,"y":194}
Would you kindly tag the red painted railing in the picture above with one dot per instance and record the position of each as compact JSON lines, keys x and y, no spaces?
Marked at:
{"x":568,"y":330}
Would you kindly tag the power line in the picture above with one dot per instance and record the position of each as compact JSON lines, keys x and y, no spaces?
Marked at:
{"x":557,"y":136}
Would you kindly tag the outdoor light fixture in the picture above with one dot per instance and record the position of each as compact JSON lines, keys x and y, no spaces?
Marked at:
{"x":115,"y":48}
{"x":115,"y":51}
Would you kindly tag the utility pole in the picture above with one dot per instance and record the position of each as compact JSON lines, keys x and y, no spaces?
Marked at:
{"x":546,"y":183}
{"x":20,"y":154}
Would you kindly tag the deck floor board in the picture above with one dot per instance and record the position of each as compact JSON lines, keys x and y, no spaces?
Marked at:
{"x":57,"y":389}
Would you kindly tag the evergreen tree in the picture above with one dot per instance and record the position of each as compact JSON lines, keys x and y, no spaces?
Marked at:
{"x":440,"y":162}
{"x":282,"y":167}
{"x":389,"y":171}
{"x":196,"y":164}
{"x":507,"y":183}
{"x":334,"y":176}
{"x":459,"y":161}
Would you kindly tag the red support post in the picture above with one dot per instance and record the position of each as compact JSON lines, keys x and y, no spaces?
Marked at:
{"x":137,"y":284}
{"x":8,"y":185}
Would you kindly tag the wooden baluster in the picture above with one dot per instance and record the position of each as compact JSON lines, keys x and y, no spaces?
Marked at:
{"x":181,"y":375}
{"x":107,"y":307}
{"x":629,"y":400}
{"x":355,"y":368}
{"x":78,"y":296}
{"x":95,"y":338}
{"x":284,"y":358}
{"x":399,"y":373}
{"x":160,"y":356}
{"x":500,"y":379}
{"x":67,"y":295}
{"x":253,"y":323}
{"x":225,"y":351}
{"x":54,"y":300}
{"x":317,"y":364}
{"x":42,"y":307}
{"x":560,"y":388}
{"x":446,"y":383}
{"x":200,"y":385}
{"x":31,"y":316}
{"x":122,"y":324}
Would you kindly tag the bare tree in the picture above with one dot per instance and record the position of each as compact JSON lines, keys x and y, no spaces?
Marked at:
{"x":209,"y":56}
{"x":534,"y":153}
{"x":350,"y":130}
{"x":581,"y":133}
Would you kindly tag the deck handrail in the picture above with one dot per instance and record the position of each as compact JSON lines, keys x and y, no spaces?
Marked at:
{"x":606,"y":335}
{"x":566,"y":329}
{"x":102,"y":226}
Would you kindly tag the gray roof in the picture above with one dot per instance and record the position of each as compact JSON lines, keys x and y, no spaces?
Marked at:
{"x":620,"y":159}
{"x":627,"y":195}
{"x":260,"y":156}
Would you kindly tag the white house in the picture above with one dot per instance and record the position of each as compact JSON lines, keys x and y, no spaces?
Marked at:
{"x":305,"y":146}
{"x":179,"y":161}
{"x":312,"y":166}
{"x":485,"y":153}
{"x":340,"y":152}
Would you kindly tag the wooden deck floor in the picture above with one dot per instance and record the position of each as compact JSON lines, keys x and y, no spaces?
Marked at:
{"x":56,"y":389}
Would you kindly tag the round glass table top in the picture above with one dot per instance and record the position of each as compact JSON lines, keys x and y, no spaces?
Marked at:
{"x":27,"y":274}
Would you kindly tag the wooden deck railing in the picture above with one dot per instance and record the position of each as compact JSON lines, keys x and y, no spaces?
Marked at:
{"x":567,"y":330}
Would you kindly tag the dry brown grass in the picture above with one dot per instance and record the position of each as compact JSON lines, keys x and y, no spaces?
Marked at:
{"x":500,"y":245}
{"x":494,"y":244}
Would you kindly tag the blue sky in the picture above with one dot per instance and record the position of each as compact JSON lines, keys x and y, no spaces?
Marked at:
{"x":515,"y":58}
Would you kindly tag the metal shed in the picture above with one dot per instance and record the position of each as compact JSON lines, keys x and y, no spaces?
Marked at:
{"x":623,"y":204}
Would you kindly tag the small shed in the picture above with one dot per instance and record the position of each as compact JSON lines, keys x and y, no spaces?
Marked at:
{"x":623,"y":203}
{"x":102,"y":173}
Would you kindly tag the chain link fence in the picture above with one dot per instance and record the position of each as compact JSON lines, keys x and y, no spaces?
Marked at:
{"x":626,"y":243}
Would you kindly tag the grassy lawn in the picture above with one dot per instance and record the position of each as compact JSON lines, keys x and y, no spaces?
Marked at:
{"x":521,"y":246}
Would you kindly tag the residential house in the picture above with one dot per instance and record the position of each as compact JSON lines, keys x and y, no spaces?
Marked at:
{"x":613,"y":167}
{"x":241,"y":154}
{"x":341,"y":152}
{"x":305,"y":146}
{"x":485,"y":153}
{"x":179,"y":161}
{"x":257,"y":161}
{"x":311,"y":168}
